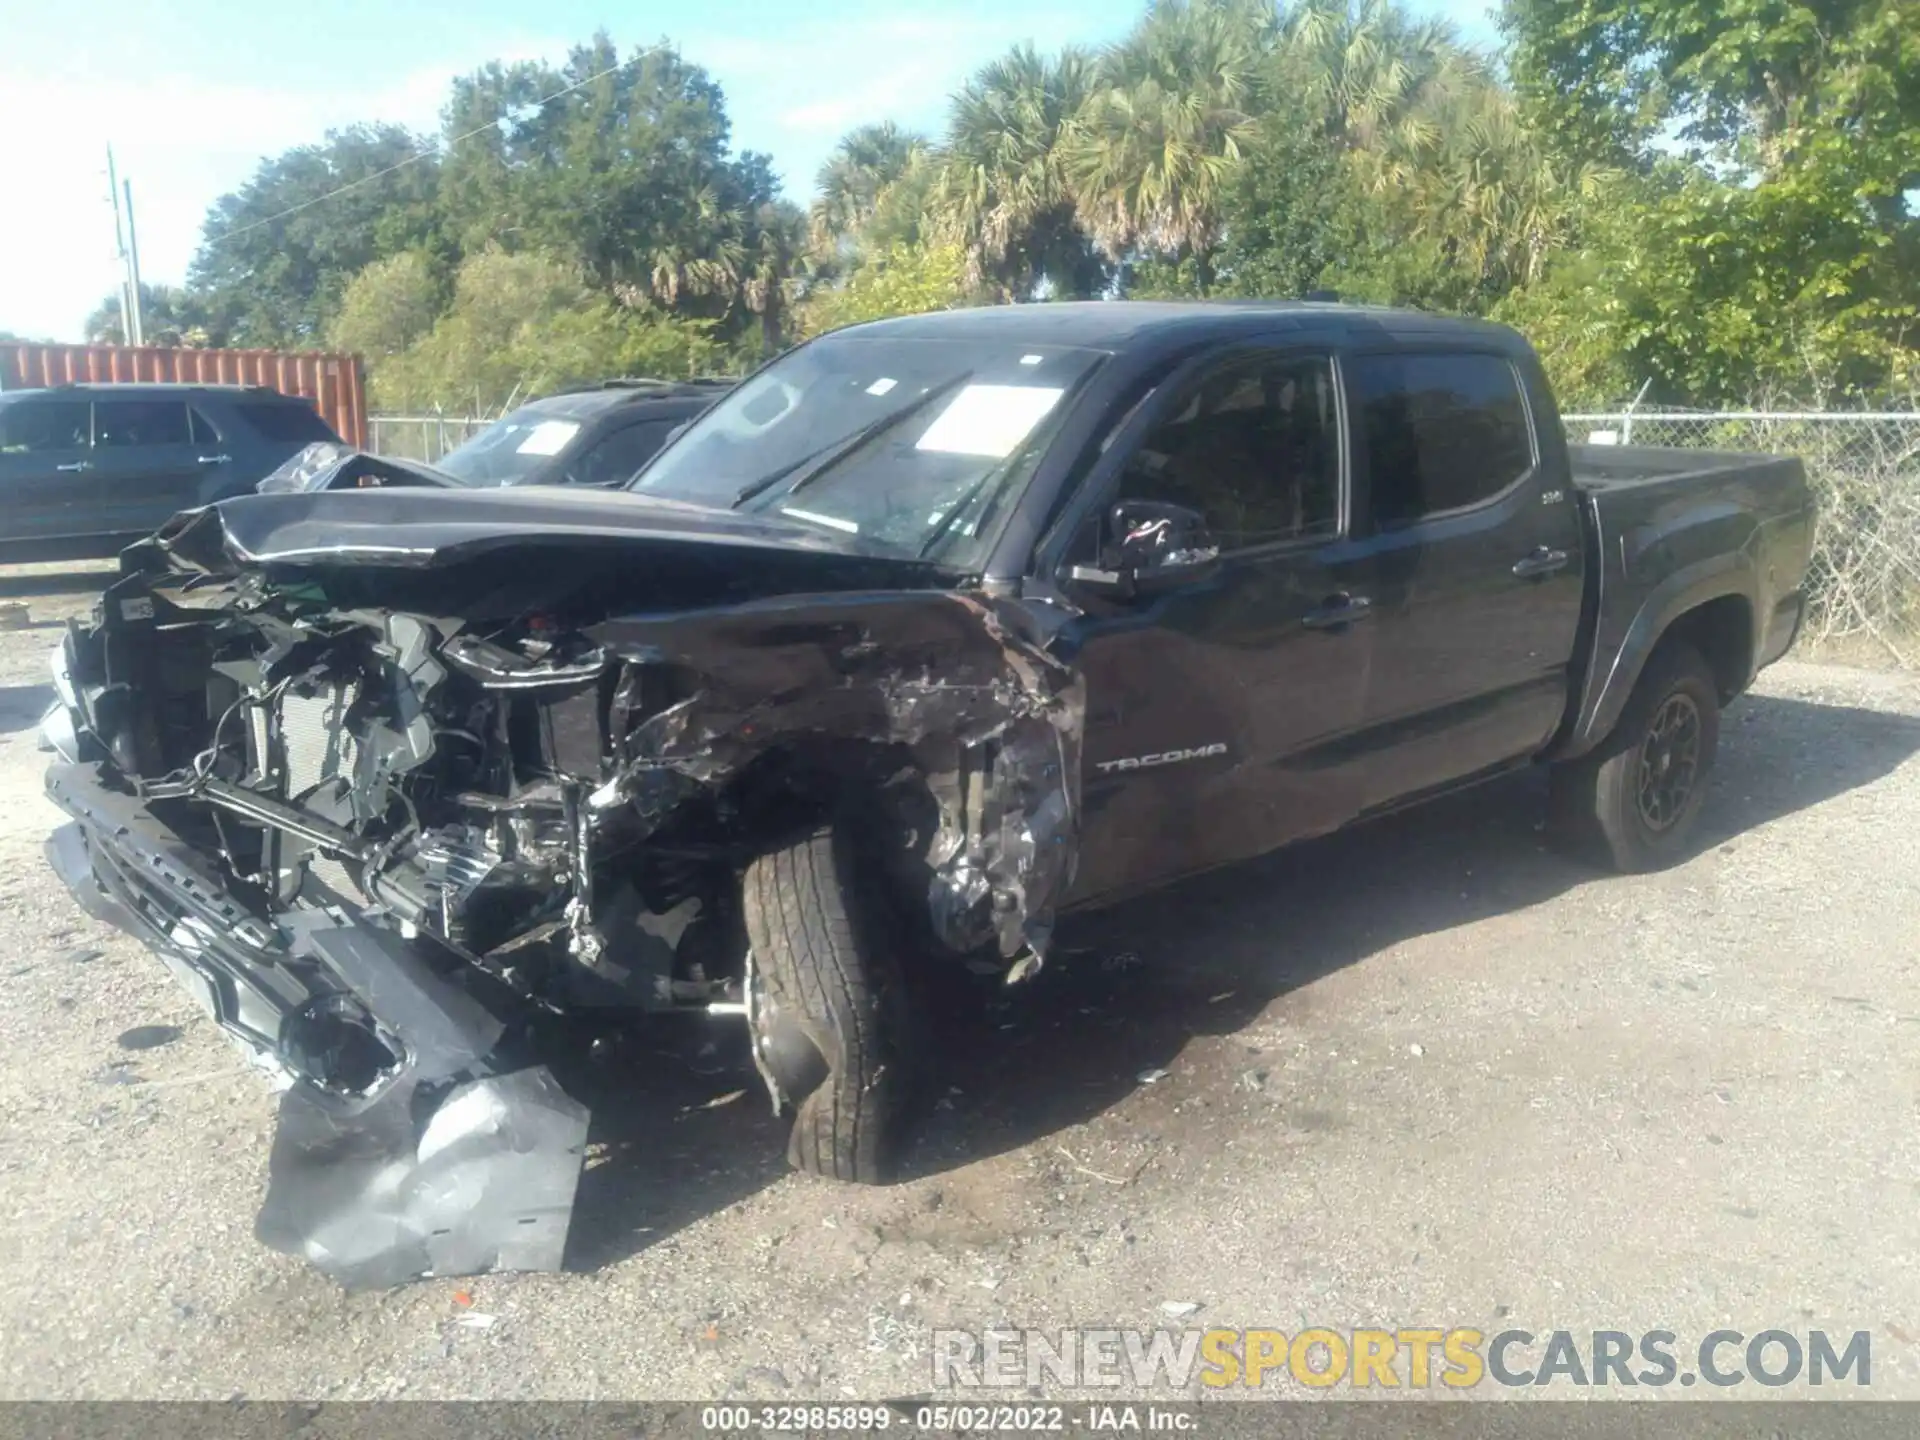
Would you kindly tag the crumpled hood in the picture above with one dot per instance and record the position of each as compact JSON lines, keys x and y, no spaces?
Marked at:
{"x":430,"y":527}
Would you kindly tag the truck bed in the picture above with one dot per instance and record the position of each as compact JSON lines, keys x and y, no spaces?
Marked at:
{"x":1669,"y":530}
{"x":1613,"y":467}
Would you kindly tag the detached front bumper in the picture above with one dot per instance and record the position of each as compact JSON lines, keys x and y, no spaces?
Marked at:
{"x":406,"y":1146}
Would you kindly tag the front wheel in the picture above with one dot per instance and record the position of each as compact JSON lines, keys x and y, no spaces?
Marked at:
{"x":1631,"y":803}
{"x":832,"y":1015}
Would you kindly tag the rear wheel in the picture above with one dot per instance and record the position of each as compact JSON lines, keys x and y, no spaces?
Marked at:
{"x":1631,"y":803}
{"x":831,"y":1016}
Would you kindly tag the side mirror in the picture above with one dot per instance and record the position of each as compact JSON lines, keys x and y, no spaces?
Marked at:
{"x":1149,"y":547}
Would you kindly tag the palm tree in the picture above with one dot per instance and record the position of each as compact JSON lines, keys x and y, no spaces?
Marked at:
{"x":1152,"y":148}
{"x":1002,"y":192}
{"x":702,"y":256}
{"x":770,"y":274}
{"x":1376,"y":73}
{"x":865,"y":163}
{"x":1486,"y":190}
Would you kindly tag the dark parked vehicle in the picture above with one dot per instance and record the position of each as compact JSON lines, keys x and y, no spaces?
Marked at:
{"x":931,"y":631}
{"x":87,"y":469}
{"x":599,"y":436}
{"x":327,"y":465}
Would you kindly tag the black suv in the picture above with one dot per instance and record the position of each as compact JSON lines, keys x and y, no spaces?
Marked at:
{"x":85,"y":470}
{"x":596,"y":436}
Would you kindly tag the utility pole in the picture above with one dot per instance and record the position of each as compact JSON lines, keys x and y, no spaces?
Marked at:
{"x":133,"y":268}
{"x":129,"y":266}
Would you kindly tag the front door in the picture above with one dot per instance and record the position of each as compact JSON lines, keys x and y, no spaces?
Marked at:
{"x":1216,"y":711}
{"x":45,"y":460}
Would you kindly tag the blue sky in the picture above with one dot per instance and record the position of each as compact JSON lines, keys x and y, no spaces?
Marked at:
{"x":193,"y":93}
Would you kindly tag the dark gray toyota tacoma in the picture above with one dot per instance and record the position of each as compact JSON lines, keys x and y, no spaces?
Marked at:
{"x":932,"y":630}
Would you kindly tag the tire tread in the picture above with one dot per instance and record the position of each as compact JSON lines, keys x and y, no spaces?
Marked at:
{"x":799,"y":904}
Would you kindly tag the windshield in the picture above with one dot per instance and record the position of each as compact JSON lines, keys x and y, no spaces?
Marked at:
{"x":910,"y":444}
{"x":510,"y":448}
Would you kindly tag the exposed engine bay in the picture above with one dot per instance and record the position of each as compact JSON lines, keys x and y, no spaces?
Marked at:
{"x":375,"y":801}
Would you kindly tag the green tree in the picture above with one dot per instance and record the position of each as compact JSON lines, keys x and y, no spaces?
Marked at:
{"x":1374,"y":71}
{"x":866,"y":163}
{"x":1480,"y":186}
{"x":771,"y":269}
{"x":388,"y":307}
{"x":1782,"y":251}
{"x":169,"y":315}
{"x":902,"y":212}
{"x":1292,"y":211}
{"x":276,"y":255}
{"x":1153,"y":147}
{"x":627,"y":174}
{"x":900,"y":280}
{"x":1003,"y":195}
{"x":522,"y":324}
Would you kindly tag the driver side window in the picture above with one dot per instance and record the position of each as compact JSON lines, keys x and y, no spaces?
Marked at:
{"x":1253,"y":447}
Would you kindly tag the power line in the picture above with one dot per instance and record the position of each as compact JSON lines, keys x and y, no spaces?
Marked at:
{"x":422,"y":155}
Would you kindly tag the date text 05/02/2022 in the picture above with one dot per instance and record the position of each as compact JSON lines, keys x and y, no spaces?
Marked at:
{"x":948,"y":1419}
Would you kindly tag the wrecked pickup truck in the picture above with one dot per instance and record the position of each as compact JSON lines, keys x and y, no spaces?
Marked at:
{"x":933,"y":630}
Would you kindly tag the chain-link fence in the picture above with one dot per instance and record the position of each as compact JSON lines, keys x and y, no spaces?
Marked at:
{"x":1865,"y":471}
{"x":421,"y":437}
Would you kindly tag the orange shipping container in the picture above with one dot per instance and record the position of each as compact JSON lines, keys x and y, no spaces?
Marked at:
{"x":331,"y":382}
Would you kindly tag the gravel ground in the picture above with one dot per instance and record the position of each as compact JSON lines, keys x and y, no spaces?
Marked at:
{"x":1424,"y":1073}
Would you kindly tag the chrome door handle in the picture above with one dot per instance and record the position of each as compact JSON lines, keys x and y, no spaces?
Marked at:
{"x":73,"y":469}
{"x":1541,"y":562}
{"x":1338,"y":610}
{"x":213,"y":459}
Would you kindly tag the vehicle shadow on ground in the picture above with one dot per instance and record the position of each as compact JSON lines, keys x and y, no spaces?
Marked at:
{"x":1129,"y":988}
{"x":21,"y":706}
{"x":17,"y":584}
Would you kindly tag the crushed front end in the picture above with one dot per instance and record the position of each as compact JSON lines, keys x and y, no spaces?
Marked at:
{"x":382,"y":815}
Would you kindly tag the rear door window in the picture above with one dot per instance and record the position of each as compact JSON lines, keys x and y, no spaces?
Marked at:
{"x":204,"y":430}
{"x":121,"y":424}
{"x":37,"y":426}
{"x":1442,"y":432}
{"x":286,"y":421}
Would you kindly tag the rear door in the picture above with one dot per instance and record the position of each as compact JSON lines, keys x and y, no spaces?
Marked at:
{"x":145,"y":465}
{"x":45,"y":457}
{"x":1216,"y":712}
{"x":1478,"y":570}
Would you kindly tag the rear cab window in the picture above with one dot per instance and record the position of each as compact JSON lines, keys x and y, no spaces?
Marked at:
{"x":1440,"y":432}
